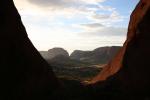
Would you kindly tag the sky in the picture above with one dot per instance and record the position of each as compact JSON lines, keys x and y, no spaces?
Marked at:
{"x":76,"y":24}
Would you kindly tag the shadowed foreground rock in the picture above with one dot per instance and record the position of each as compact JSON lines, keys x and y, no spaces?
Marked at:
{"x":24,"y":73}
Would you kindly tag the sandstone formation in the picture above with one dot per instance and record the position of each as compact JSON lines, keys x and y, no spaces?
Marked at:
{"x":24,"y":73}
{"x":129,"y":71}
{"x":133,"y":30}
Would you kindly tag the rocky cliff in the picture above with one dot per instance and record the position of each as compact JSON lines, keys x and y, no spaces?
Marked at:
{"x":24,"y":73}
{"x":129,"y":71}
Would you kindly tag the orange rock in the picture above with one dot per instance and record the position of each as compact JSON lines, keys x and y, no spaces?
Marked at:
{"x":116,"y":64}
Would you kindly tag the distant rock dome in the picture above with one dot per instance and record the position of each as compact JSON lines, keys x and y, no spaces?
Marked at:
{"x":56,"y":52}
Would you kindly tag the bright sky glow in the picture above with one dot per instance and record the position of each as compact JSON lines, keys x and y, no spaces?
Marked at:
{"x":75,"y":24}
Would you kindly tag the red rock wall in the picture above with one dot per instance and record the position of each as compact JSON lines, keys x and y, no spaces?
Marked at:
{"x":116,"y":64}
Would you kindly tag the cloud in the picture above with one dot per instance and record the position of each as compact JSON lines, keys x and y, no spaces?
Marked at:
{"x":99,"y":29}
{"x":53,"y":23}
{"x":90,"y":26}
{"x":105,"y":31}
{"x":101,"y":16}
{"x":114,"y":16}
{"x":68,"y":8}
{"x":85,"y":11}
{"x":51,"y":3}
{"x":63,"y":3}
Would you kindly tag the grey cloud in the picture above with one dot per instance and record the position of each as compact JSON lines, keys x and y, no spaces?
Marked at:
{"x":66,"y":3}
{"x":93,"y":25}
{"x":101,"y":16}
{"x":81,"y":6}
{"x":52,"y":3}
{"x":114,"y":16}
{"x":106,"y":31}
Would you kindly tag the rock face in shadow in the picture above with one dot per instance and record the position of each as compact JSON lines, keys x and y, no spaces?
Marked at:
{"x":129,"y":72}
{"x":24,"y":73}
{"x":100,"y":55}
{"x":54,"y":52}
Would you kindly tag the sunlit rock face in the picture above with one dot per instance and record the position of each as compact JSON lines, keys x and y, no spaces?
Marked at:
{"x":24,"y":73}
{"x":129,"y":71}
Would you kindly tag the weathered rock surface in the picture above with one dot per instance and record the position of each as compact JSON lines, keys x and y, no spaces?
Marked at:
{"x":24,"y":73}
{"x":129,"y":72}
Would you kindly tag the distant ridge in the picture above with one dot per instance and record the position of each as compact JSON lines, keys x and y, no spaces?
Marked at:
{"x":101,"y":55}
